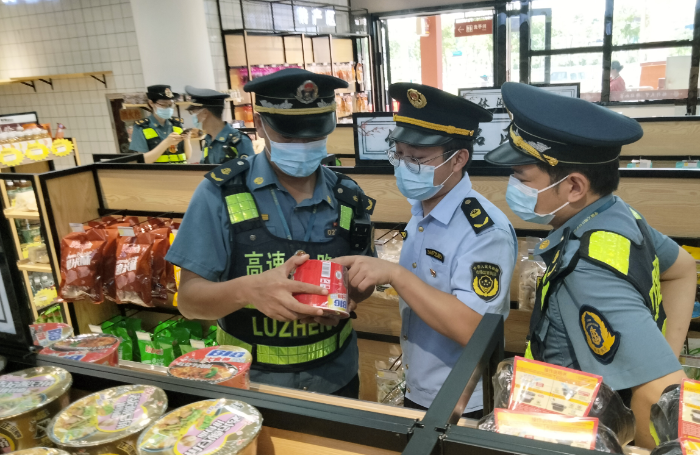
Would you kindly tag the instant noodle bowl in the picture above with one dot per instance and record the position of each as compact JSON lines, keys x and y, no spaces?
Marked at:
{"x":210,"y":427}
{"x":88,"y":342}
{"x":49,"y":333}
{"x":223,"y":365}
{"x":41,"y":451}
{"x":108,"y":422}
{"x":328,"y":275}
{"x":108,"y":356}
{"x":29,"y":399}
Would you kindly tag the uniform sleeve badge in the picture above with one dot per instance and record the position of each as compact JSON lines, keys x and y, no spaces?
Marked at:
{"x":602,"y":340}
{"x":486,"y":280}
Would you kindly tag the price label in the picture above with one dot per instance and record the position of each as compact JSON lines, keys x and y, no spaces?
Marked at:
{"x":95,"y":328}
{"x":197,"y":344}
{"x":76,"y":227}
{"x":126,"y":231}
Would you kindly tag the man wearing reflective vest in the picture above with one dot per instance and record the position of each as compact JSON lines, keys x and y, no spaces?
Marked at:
{"x":159,"y":136}
{"x":599,"y":304}
{"x":222,"y":142}
{"x":237,"y":242}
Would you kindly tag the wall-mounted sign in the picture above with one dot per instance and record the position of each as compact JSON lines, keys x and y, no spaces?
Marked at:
{"x":473,"y":28}
{"x":316,"y":17}
{"x":18,"y":119}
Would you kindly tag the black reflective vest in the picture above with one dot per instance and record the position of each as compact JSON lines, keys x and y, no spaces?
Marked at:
{"x":172,"y":154}
{"x":635,"y":263}
{"x":284,"y":346}
{"x":230,"y":144}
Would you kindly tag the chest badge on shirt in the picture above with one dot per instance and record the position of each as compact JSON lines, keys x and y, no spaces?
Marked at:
{"x":486,"y":280}
{"x":602,"y":340}
{"x":435,"y":254}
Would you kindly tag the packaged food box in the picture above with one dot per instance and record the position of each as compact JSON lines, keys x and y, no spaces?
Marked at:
{"x":223,"y":365}
{"x":97,"y":348}
{"x":41,"y":451}
{"x":108,"y":422}
{"x":29,"y":399}
{"x":49,"y":333}
{"x":209,"y":427}
{"x":328,"y":275}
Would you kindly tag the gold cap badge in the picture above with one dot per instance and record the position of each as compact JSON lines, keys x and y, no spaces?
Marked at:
{"x":416,"y":98}
{"x":168,"y":92}
{"x":307,"y":92}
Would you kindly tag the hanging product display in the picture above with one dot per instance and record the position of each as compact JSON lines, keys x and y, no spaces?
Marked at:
{"x":11,"y":156}
{"x":37,"y":151}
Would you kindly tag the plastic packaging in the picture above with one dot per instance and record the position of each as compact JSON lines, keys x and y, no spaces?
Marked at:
{"x":49,"y":333}
{"x":532,"y":269}
{"x":330,"y":276}
{"x":189,"y":429}
{"x":224,"y":365}
{"x":81,"y":267}
{"x":133,"y":276}
{"x":607,"y":405}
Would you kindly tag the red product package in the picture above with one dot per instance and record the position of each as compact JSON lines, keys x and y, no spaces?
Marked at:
{"x":109,"y":262}
{"x":163,"y":272}
{"x":106,"y":356}
{"x":328,"y":275}
{"x":133,"y":270}
{"x":223,"y":365}
{"x":81,"y":267}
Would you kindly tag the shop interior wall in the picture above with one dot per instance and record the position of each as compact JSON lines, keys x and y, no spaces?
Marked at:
{"x":46,"y":38}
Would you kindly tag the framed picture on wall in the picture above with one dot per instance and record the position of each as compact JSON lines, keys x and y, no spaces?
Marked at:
{"x":491,"y":135}
{"x":371,"y":131}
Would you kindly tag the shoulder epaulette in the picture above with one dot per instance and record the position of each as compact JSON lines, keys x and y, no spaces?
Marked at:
{"x":176,"y":119}
{"x":476,"y":215}
{"x":227,"y":171}
{"x":353,"y":197}
{"x":144,"y":122}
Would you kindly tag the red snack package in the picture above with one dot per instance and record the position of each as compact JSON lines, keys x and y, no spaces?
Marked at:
{"x":109,"y":261}
{"x":328,"y":275}
{"x":163,"y":271}
{"x":133,"y":270}
{"x":81,"y":267}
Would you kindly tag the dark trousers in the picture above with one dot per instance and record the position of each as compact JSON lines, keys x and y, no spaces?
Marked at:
{"x":469,"y":415}
{"x":350,"y":390}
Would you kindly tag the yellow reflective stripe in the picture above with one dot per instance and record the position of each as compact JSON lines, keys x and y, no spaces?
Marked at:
{"x":663,"y":328}
{"x":177,"y":129}
{"x":289,"y":355}
{"x":612,"y":249}
{"x":149,"y":133}
{"x":170,"y":158}
{"x":528,"y":352}
{"x":206,"y":152}
{"x":241,"y":207}
{"x":636,"y":215}
{"x":652,"y":430}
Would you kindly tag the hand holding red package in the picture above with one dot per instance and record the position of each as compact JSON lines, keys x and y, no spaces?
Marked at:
{"x":81,"y":267}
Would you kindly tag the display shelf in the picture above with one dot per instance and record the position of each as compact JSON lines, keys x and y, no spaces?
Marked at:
{"x":28,"y":266}
{"x":144,"y":106}
{"x":21,"y":214}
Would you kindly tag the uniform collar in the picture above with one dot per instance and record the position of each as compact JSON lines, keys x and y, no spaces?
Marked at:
{"x":155,"y":122}
{"x":223,"y":134}
{"x":261,"y":175}
{"x":445,"y":209}
{"x":574,"y":223}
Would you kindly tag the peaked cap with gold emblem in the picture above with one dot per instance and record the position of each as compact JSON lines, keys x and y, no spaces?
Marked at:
{"x":160,"y":92}
{"x":296,"y":102}
{"x":550,"y":128}
{"x":429,"y":116}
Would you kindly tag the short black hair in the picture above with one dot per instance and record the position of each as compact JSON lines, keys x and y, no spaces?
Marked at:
{"x":604,"y":178}
{"x":217,"y":111}
{"x":459,"y":144}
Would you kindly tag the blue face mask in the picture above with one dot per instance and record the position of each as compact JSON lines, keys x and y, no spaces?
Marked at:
{"x":196,"y":123}
{"x":298,"y":159}
{"x":522,"y":201}
{"x":165,"y":112}
{"x":419,"y":186}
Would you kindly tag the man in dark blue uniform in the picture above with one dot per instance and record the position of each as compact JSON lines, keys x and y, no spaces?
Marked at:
{"x":237,"y":242}
{"x":223,"y":142}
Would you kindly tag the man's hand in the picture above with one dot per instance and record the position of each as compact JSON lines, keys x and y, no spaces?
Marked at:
{"x":186,"y":136}
{"x":366,"y":272}
{"x":271,"y":292}
{"x":173,"y":139}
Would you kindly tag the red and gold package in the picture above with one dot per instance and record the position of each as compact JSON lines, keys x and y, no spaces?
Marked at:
{"x":163,"y":272}
{"x":109,"y":261}
{"x":133,"y":270}
{"x":81,"y":267}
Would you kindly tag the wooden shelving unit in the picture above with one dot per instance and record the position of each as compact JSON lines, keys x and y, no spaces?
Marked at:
{"x":22,"y":214}
{"x":27,"y":266}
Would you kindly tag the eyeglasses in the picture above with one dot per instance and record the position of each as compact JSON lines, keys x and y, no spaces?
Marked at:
{"x":412,"y":164}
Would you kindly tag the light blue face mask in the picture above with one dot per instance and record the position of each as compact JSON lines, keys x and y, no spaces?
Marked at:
{"x":165,"y":112}
{"x":419,"y":186}
{"x":522,"y":200}
{"x":195,"y":122}
{"x":297,"y":159}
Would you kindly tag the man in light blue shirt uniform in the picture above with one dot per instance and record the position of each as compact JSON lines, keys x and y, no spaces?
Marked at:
{"x":237,"y":242}
{"x":459,"y":249}
{"x":222,"y":142}
{"x":599,"y":305}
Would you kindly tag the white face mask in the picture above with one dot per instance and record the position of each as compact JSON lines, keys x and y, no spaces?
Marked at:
{"x":297,"y":159}
{"x":522,"y":200}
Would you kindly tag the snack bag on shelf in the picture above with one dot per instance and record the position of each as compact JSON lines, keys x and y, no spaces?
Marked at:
{"x":81,"y":267}
{"x":133,"y":274}
{"x":163,"y":272}
{"x":150,"y":351}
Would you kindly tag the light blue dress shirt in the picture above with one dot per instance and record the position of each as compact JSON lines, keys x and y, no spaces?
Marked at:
{"x":643,"y":354}
{"x":203,"y":246}
{"x":429,"y":356}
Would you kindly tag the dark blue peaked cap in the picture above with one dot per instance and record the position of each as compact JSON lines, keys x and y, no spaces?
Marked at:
{"x":547,"y":127}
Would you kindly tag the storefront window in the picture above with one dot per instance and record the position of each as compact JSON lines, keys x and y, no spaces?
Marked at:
{"x":585,"y":69}
{"x":513,"y":44}
{"x":650,"y":21}
{"x":650,"y":74}
{"x":573,"y":24}
{"x":404,"y":50}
